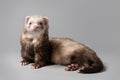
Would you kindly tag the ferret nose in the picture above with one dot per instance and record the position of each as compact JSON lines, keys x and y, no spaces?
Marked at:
{"x":36,"y":27}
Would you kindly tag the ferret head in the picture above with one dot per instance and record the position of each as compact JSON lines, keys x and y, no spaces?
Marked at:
{"x":36,"y":23}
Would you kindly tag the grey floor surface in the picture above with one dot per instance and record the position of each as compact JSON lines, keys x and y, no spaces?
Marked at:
{"x":10,"y":69}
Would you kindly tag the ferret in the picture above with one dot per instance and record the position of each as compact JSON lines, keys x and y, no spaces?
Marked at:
{"x":39,"y":49}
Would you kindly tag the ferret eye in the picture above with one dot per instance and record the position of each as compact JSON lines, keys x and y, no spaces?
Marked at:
{"x":30,"y":23}
{"x":40,"y":23}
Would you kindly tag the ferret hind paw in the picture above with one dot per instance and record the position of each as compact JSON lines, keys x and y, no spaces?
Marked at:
{"x":72,"y":67}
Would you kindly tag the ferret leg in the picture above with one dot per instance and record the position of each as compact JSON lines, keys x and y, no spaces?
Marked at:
{"x":38,"y":63}
{"x":25,"y":60}
{"x":72,"y":67}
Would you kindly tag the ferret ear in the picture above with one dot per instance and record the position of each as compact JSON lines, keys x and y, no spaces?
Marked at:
{"x":45,"y":20}
{"x":27,"y":19}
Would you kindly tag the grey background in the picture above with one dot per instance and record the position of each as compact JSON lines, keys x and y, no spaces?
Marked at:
{"x":95,"y":23}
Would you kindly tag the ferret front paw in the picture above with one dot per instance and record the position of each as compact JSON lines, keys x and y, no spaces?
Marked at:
{"x":23,"y":63}
{"x":35,"y":66}
{"x":72,"y":67}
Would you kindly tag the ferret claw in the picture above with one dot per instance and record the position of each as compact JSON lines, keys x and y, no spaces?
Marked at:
{"x":23,"y":63}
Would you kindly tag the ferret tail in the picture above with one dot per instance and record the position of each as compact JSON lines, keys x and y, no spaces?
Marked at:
{"x":94,"y":67}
